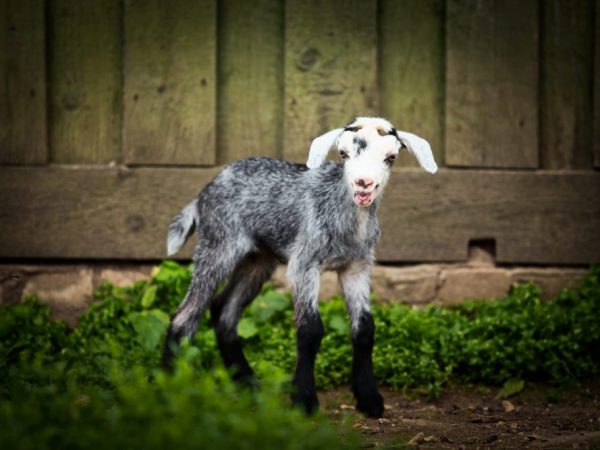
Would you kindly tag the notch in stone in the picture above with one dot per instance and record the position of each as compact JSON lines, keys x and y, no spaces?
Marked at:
{"x":482,"y":252}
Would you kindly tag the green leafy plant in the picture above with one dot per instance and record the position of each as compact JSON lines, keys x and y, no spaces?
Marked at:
{"x":100,"y":382}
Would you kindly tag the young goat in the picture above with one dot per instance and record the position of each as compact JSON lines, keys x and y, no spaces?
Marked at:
{"x":321,"y":215}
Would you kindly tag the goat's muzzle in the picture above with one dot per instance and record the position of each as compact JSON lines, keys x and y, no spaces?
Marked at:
{"x":364,"y":198}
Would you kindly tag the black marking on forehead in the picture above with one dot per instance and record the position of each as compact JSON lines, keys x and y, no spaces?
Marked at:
{"x":394,"y":133}
{"x":360,"y":143}
{"x":351,"y":127}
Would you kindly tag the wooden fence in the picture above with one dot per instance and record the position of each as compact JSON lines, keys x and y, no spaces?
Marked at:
{"x":114,"y":113}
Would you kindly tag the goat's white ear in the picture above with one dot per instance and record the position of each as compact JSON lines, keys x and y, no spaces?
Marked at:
{"x":320,"y":147}
{"x":420,"y":149}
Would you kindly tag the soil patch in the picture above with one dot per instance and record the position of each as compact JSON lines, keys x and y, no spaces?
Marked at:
{"x":471,"y":417}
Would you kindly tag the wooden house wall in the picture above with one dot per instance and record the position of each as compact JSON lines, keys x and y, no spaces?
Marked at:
{"x":114,"y":113}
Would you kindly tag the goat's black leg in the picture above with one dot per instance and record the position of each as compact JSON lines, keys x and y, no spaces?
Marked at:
{"x":227,"y":307}
{"x":308,"y":340}
{"x":355,"y":284}
{"x":305,"y":287}
{"x":368,"y":399}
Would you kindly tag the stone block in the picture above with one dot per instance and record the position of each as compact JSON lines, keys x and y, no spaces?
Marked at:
{"x":329,"y":286}
{"x":123,"y":276}
{"x":67,"y":292}
{"x":12,"y":282}
{"x":413,"y":285}
{"x":464,"y":283}
{"x":550,"y":280}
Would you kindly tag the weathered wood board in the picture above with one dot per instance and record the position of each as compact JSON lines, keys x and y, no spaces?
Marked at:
{"x":597,"y":88}
{"x":22,"y":83}
{"x":543,"y":217}
{"x":330,"y":68}
{"x":92,"y":212}
{"x":170,"y":82}
{"x":566,"y":94}
{"x":411,"y":71}
{"x":85,"y":81}
{"x":548,"y":217}
{"x":250,"y":90}
{"x":492,"y":83}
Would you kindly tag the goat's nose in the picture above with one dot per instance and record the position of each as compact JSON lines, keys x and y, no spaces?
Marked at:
{"x":364,"y":182}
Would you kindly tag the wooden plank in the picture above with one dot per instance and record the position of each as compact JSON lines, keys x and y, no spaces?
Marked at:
{"x":597,"y":89}
{"x":546,"y":218}
{"x":549,"y":217}
{"x":492,"y":83}
{"x":92,"y":212}
{"x":250,"y":91}
{"x":22,"y":83}
{"x":84,"y":78}
{"x":169,"y":82}
{"x":566,"y":95}
{"x":411,"y":70}
{"x":330,"y":68}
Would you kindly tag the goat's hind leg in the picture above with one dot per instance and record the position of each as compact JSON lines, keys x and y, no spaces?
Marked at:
{"x":226,"y":310}
{"x":211,"y":266}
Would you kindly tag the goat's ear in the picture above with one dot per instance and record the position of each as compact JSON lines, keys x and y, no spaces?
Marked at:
{"x":420,"y":149}
{"x":320,"y":147}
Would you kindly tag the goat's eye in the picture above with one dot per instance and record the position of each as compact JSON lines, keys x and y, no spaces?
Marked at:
{"x":343,"y":155}
{"x":390,"y":160}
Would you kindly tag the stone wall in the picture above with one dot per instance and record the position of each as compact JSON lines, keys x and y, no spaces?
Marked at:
{"x":68,"y":288}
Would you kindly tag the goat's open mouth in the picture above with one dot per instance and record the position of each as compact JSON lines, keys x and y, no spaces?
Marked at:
{"x":364,"y":198}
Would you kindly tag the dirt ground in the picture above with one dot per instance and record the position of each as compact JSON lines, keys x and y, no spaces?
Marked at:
{"x":470,"y":417}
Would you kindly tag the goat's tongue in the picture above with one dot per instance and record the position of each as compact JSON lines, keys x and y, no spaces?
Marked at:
{"x":363,"y":195}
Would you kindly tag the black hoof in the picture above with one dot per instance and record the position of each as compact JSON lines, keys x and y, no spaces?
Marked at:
{"x":167,"y":359}
{"x":371,"y":406}
{"x":307,"y":402}
{"x":246,"y":379}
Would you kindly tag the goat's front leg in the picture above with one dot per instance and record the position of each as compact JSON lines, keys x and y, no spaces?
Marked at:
{"x":355,"y":282}
{"x":305,"y":288}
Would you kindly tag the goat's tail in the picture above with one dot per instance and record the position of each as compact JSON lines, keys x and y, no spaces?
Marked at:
{"x":181,"y":227}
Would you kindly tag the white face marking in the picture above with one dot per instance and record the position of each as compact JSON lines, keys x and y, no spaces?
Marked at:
{"x":368,"y":151}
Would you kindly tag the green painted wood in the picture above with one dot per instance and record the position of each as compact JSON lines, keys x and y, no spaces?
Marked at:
{"x":544,"y":217}
{"x":491,"y":83}
{"x":250,"y":90}
{"x":411,"y":64}
{"x":597,"y":89}
{"x":85,"y":81}
{"x":330,"y":68}
{"x":22,"y":83}
{"x":566,"y":74}
{"x":169,"y":82}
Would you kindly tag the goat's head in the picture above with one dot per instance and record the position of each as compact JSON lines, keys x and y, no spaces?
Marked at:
{"x":368,"y":147}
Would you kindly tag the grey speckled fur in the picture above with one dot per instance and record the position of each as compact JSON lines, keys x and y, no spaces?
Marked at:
{"x":259,"y":211}
{"x":260,"y":205}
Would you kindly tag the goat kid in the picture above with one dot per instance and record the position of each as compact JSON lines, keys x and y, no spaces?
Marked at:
{"x":322,"y":215}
